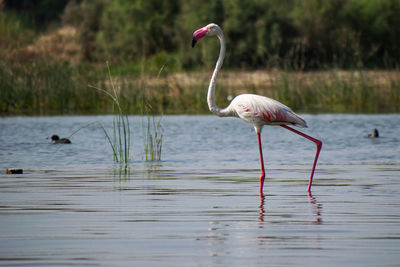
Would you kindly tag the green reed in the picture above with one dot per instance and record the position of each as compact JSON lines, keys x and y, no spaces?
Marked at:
{"x":153,"y":138}
{"x":121,"y":131}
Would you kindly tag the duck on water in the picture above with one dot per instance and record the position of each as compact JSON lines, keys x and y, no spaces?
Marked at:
{"x":55,"y":139}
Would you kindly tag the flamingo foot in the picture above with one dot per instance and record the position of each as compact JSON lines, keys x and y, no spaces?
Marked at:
{"x":262,"y":178}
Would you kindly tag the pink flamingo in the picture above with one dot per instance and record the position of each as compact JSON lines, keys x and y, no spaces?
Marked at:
{"x":255,"y":109}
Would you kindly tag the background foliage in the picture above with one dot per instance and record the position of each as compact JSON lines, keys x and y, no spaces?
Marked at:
{"x":298,"y":34}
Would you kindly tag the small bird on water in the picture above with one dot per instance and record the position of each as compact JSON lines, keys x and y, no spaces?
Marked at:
{"x":55,"y":139}
{"x":374,"y":134}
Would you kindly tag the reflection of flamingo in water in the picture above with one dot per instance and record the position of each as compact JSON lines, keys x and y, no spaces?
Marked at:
{"x":317,"y":210}
{"x":255,"y":109}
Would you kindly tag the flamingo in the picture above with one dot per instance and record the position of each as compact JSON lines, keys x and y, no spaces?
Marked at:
{"x":255,"y":109}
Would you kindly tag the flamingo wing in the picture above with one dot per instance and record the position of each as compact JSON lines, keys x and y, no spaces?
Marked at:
{"x":261,"y":110}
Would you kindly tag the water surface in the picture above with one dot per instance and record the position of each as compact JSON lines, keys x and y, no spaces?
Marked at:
{"x":200,"y":206}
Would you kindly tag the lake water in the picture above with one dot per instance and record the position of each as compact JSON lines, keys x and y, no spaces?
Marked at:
{"x":199,"y":205}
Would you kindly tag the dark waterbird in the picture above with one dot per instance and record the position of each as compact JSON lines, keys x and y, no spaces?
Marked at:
{"x":55,"y":139}
{"x":374,"y":134}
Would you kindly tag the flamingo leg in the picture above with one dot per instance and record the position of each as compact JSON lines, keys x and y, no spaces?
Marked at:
{"x":319,"y":146}
{"x":262,"y":177}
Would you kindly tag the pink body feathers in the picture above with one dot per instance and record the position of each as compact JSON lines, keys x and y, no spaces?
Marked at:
{"x":260,"y":110}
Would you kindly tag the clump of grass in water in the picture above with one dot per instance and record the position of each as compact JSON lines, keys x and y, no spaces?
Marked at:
{"x":120,"y":143}
{"x":152,"y":135}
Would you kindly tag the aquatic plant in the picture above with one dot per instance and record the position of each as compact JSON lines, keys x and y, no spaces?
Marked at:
{"x":152,"y":132}
{"x":153,"y":137}
{"x":120,"y":143}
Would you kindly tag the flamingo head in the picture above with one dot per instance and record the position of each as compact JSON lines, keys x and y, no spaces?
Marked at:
{"x":210,"y":29}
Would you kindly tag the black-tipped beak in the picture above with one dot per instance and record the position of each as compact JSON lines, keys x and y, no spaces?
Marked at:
{"x":198,"y":34}
{"x":194,"y":41}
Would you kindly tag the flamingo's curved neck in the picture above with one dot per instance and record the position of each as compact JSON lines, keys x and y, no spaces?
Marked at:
{"x":211,"y":88}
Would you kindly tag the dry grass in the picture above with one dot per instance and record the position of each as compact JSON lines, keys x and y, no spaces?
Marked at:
{"x":61,"y":44}
{"x":62,"y":88}
{"x":321,"y":91}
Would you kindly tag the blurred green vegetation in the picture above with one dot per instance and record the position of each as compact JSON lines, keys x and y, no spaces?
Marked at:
{"x":51,"y":50}
{"x":295,"y":34}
